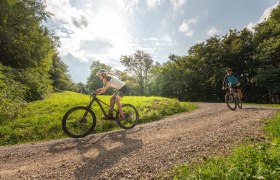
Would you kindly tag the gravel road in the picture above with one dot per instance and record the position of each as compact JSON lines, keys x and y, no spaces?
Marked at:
{"x":139,"y":153}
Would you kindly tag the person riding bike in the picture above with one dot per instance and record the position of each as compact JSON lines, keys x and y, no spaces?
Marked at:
{"x":234,"y":80}
{"x":121,"y":90}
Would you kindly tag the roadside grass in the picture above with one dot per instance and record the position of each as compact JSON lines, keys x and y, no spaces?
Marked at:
{"x":265,"y":105}
{"x":41,"y":120}
{"x":259,"y":160}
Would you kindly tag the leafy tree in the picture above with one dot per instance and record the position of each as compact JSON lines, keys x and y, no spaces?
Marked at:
{"x":267,"y":38}
{"x":81,"y":88}
{"x":155,"y":83}
{"x":24,"y":42}
{"x":59,"y":75}
{"x":26,"y":45}
{"x":12,"y":94}
{"x":138,"y":65}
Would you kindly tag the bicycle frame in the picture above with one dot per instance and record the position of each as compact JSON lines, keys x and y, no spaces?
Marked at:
{"x":99,"y":102}
{"x":232,"y":90}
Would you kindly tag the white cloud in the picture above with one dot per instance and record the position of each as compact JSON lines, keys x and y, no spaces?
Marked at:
{"x":264,"y":16}
{"x":94,"y":31}
{"x":168,"y":40}
{"x":164,"y":40}
{"x":185,"y":27}
{"x":153,"y":3}
{"x":177,"y":4}
{"x":128,"y":6}
{"x":212,"y":31}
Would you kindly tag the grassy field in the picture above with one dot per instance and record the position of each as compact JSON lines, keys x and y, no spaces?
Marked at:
{"x":249,"y":161}
{"x":41,"y":120}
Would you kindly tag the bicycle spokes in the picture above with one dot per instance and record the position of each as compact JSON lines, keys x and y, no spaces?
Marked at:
{"x":79,"y":122}
{"x":131,"y":117}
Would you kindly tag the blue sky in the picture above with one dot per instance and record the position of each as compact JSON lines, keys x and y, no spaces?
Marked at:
{"x":105,"y":30}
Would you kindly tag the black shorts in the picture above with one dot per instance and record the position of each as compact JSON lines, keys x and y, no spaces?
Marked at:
{"x":121,"y":92}
{"x":236,"y":87}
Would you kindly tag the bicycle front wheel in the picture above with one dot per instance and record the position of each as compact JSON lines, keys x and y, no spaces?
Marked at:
{"x":231,"y":101}
{"x":131,"y":117}
{"x":78,"y":122}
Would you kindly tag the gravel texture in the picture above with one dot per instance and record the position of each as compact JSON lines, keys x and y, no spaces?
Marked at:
{"x":139,"y":153}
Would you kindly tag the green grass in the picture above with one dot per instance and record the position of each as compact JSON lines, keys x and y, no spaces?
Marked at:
{"x":250,"y":161}
{"x":41,"y":120}
{"x":266,"y":105}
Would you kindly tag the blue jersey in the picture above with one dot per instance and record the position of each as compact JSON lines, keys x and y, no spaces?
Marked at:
{"x":232,"y":79}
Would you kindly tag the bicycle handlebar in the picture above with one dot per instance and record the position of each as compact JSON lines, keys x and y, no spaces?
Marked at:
{"x":230,"y":86}
{"x":94,"y":93}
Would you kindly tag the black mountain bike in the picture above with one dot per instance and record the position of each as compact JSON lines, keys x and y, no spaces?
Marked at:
{"x":80,"y":121}
{"x":232,"y":99}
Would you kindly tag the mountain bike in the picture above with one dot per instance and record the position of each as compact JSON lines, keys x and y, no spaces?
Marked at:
{"x":232,"y":99}
{"x":80,"y":121}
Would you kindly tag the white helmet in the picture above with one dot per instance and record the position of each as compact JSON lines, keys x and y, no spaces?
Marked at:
{"x":102,"y":71}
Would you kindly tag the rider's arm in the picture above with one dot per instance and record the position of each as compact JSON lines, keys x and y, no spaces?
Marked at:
{"x":224,"y":82}
{"x":107,"y":84}
{"x":104,"y":89}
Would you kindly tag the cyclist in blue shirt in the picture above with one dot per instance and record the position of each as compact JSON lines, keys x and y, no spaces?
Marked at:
{"x":233,"y":79}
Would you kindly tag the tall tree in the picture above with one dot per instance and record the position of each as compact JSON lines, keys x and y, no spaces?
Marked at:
{"x":26,"y":45}
{"x":267,"y":38}
{"x":82,"y":88}
{"x":59,"y":74}
{"x":24,"y":42}
{"x":138,"y":65}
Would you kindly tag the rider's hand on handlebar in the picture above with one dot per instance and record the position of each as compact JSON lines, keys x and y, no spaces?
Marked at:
{"x":95,"y":92}
{"x":99,"y":91}
{"x":238,"y":84}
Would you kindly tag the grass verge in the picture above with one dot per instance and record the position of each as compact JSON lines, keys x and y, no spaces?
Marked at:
{"x":41,"y":120}
{"x":250,"y":161}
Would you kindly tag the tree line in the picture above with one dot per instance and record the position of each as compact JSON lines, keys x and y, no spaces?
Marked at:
{"x":197,"y":76}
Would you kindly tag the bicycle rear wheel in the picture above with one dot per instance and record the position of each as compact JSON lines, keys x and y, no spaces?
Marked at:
{"x":131,"y":117}
{"x":239,"y":104}
{"x":78,"y":122}
{"x":231,"y":101}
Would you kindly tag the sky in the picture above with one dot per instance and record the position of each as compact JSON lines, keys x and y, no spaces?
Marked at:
{"x":105,"y":30}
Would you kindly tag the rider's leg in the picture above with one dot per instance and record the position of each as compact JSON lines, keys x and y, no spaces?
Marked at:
{"x":112,"y":103}
{"x":118,"y":102}
{"x":239,"y":93}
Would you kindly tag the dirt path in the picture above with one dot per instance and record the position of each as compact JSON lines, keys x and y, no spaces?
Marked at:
{"x":138,"y":153}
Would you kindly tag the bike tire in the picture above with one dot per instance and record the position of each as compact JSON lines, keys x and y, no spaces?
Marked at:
{"x":231,"y":101}
{"x":68,"y":120}
{"x":130,"y":112}
{"x":239,"y":104}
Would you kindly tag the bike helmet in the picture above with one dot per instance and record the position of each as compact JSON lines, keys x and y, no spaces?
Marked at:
{"x":102,"y":71}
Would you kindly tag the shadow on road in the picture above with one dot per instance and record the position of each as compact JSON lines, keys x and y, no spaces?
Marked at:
{"x":106,"y":158}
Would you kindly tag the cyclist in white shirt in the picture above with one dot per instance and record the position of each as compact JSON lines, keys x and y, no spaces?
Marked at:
{"x":121,"y":90}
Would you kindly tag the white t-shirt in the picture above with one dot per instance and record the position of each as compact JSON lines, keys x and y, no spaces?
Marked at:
{"x":113,"y":82}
